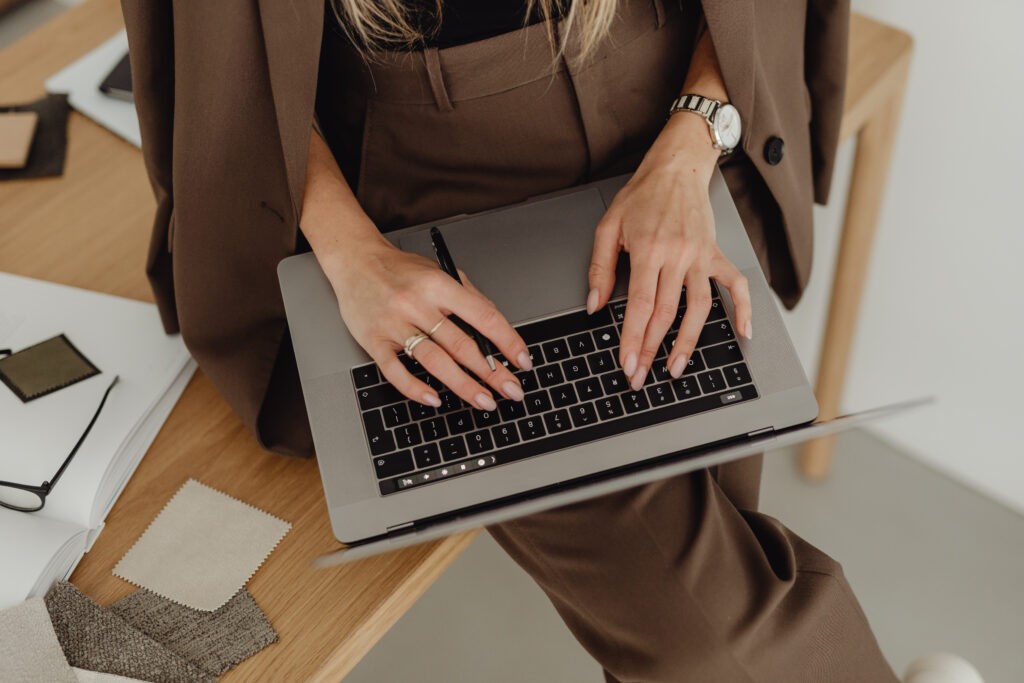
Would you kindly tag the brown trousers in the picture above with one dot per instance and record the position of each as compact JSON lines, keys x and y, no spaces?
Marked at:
{"x":680,"y":580}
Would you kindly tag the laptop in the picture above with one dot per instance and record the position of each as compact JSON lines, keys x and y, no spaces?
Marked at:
{"x":397,"y":473}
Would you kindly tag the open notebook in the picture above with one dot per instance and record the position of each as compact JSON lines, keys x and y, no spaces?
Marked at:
{"x":121,"y":337}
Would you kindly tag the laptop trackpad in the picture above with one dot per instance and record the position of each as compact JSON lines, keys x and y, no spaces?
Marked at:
{"x":531,"y":259}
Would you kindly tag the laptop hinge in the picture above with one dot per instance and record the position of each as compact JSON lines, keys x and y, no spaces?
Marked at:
{"x":759,"y":432}
{"x":404,"y":525}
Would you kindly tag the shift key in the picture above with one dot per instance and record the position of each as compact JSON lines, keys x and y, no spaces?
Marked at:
{"x":380,"y":395}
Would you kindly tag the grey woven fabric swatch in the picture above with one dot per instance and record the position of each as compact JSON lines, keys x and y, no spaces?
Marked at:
{"x":215,"y":640}
{"x":29,"y":651}
{"x":96,"y":639}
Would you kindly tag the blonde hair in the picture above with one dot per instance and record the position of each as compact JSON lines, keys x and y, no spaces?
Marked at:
{"x":373,"y":24}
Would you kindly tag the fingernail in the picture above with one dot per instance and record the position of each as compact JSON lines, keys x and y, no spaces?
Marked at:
{"x":485,"y":402}
{"x":750,"y":330}
{"x":677,"y":368}
{"x":432,"y":400}
{"x":523,"y":360}
{"x":592,"y":301}
{"x":638,"y":379}
{"x":629,"y":367}
{"x":513,"y":390}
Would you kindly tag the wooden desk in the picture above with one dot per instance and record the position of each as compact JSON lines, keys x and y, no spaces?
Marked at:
{"x":879,"y":63}
{"x":90,"y":229}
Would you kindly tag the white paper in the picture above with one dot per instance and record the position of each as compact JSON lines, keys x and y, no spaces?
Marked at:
{"x":119,"y":336}
{"x":36,"y":550}
{"x":81,"y":82}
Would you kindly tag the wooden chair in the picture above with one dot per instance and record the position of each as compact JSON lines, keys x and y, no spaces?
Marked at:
{"x":879,"y":64}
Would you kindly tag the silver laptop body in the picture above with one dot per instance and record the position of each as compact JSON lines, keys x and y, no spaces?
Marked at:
{"x":531,"y":259}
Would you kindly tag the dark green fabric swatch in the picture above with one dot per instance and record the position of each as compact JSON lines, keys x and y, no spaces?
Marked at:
{"x":44,"y":368}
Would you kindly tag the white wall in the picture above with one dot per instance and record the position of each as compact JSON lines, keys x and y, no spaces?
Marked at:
{"x":943,"y":307}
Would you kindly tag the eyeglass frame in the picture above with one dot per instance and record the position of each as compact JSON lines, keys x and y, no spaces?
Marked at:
{"x":44,"y":489}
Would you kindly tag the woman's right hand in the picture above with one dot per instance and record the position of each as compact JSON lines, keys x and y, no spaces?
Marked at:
{"x":387,"y":295}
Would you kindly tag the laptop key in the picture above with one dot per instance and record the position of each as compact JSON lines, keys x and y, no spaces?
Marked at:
{"x":723,"y":354}
{"x":660,"y":395}
{"x":449,"y":402}
{"x":511,"y":410}
{"x":686,"y":387}
{"x":550,"y":375}
{"x":397,"y":414}
{"x":606,"y":337}
{"x":583,"y":415}
{"x":557,"y":421}
{"x":661,"y":373}
{"x":635,"y":401}
{"x":711,"y":381}
{"x":563,"y":395}
{"x":528,"y":380}
{"x":581,"y":344}
{"x":434,"y":429}
{"x":505,"y":435}
{"x":453,"y":448}
{"x":536,"y":356}
{"x":575,"y":368}
{"x":479,"y":442}
{"x":614,"y":382}
{"x":717,"y":311}
{"x":485,"y":418}
{"x":531,"y":428}
{"x":694,"y":364}
{"x":537,"y":402}
{"x":618,"y":311}
{"x":601,"y":362}
{"x":555,"y":351}
{"x":609,"y":407}
{"x":426,"y":455}
{"x":366,"y":376}
{"x":393,"y":465}
{"x":589,"y":389}
{"x":715,"y":333}
{"x":420,"y":411}
{"x":735,"y":375}
{"x":408,"y":436}
{"x":460,"y":423}
{"x":380,"y":395}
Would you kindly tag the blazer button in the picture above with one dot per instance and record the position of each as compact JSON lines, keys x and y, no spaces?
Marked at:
{"x":773,"y":150}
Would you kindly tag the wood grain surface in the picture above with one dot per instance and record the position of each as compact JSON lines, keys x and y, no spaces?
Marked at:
{"x":90,"y":229}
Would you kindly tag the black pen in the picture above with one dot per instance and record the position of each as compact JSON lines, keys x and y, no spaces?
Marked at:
{"x":444,"y":259}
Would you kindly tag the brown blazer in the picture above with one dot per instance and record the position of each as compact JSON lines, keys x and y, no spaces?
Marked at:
{"x":225,"y":96}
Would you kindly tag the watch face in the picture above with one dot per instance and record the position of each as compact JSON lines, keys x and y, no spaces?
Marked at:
{"x":727,"y":125}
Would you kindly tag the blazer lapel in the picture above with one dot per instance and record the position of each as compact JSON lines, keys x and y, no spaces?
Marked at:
{"x":292,"y":31}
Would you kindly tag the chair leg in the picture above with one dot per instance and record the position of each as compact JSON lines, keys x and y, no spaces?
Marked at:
{"x":870,"y":172}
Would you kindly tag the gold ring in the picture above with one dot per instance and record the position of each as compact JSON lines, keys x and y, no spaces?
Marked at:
{"x":434,"y":328}
{"x":412,"y":342}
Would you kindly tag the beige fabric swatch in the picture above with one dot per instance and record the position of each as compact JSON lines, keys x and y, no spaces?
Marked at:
{"x":29,"y":650}
{"x":202,"y":547}
{"x":215,"y":640}
{"x":86,"y":676}
{"x":98,"y":640}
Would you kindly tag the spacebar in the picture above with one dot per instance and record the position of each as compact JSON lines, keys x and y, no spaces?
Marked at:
{"x":576,"y":437}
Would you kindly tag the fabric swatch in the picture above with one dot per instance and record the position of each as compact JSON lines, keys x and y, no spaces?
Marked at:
{"x":216,"y":640}
{"x":98,"y":640}
{"x":29,"y":650}
{"x":86,"y":676}
{"x":44,"y":368}
{"x":49,"y":147}
{"x":202,"y":547}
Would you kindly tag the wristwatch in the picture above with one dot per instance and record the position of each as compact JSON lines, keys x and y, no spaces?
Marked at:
{"x":723,"y":119}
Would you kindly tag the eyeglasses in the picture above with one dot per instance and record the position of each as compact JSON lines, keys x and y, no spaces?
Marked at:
{"x":27,"y":498}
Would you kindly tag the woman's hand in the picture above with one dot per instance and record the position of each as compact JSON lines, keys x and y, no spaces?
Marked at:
{"x":387,"y":295}
{"x":663,"y":218}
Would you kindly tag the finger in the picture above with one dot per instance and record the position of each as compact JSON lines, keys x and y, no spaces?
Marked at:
{"x":666,"y":303}
{"x":403,"y":380}
{"x":643,"y":286}
{"x":602,"y":262}
{"x":463,"y":348}
{"x":439,"y":364}
{"x":698,"y":305}
{"x":482,"y":315}
{"x":730,"y":276}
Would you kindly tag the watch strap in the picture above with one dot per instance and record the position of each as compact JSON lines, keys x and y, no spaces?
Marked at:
{"x":705,"y":106}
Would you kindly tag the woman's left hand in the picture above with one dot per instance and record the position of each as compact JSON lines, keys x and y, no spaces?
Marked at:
{"x":662,"y":217}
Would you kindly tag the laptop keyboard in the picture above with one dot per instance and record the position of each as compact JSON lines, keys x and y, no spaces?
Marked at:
{"x":575,"y":393}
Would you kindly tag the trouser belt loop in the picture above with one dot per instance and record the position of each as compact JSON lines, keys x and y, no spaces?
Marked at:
{"x":659,"y":12}
{"x":433,"y":63}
